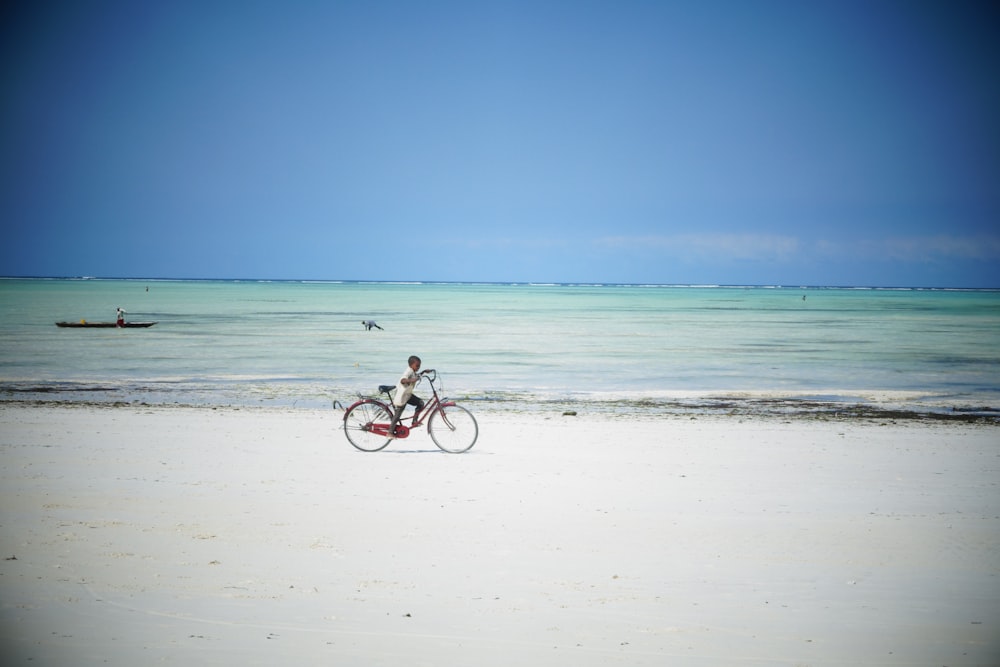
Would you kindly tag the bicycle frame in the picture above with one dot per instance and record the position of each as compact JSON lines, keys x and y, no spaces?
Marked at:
{"x":418,"y":418}
{"x":368,"y":421}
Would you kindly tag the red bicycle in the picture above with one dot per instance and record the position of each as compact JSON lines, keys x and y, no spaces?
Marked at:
{"x":368,"y":421}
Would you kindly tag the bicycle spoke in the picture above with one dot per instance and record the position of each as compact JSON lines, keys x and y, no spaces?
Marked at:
{"x":358,"y":424}
{"x":453,"y":429}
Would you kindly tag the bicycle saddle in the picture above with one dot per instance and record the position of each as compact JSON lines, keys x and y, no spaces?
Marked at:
{"x":386,"y":388}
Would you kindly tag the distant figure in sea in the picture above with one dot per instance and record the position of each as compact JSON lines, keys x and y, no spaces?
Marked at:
{"x":370,"y":324}
{"x":121,"y":318}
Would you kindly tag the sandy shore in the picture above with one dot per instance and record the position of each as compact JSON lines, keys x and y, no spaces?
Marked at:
{"x":136,"y":536}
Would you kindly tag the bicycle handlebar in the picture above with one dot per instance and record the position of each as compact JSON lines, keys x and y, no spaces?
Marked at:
{"x":430,"y":372}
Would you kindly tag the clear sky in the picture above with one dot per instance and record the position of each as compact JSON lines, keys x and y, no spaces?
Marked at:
{"x":742,"y":142}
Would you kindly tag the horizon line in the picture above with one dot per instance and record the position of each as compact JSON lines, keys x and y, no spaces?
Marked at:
{"x":530,"y":283}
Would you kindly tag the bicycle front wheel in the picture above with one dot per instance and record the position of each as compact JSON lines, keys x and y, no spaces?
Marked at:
{"x":453,"y":429}
{"x":358,"y":423}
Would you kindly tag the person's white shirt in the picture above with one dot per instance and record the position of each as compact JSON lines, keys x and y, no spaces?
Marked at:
{"x":404,"y":391}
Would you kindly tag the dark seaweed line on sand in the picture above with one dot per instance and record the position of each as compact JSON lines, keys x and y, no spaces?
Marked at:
{"x":641,"y":408}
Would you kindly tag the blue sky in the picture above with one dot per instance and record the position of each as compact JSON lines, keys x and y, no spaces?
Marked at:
{"x":742,"y":142}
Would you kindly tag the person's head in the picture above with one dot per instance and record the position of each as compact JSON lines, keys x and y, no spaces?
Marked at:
{"x":415,"y":362}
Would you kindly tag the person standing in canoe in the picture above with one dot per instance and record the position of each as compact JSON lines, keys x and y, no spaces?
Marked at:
{"x":121,"y":318}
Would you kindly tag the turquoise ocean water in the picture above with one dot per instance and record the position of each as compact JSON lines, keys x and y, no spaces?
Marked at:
{"x":591,"y":347}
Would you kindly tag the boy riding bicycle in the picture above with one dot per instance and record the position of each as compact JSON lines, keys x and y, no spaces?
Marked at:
{"x":404,"y":391}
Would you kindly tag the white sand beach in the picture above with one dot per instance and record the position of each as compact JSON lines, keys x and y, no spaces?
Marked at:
{"x":147,"y":535}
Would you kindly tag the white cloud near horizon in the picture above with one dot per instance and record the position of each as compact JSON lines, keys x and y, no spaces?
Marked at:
{"x":718,"y":246}
{"x":737,"y":258}
{"x":917,"y":249}
{"x":774,"y":247}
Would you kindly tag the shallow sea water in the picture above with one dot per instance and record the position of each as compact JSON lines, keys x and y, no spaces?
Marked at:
{"x":594,"y":347}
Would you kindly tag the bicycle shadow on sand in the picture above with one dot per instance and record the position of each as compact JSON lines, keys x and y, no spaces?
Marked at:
{"x":424,"y":451}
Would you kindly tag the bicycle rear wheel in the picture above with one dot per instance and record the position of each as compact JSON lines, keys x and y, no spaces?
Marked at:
{"x":358,"y":423}
{"x":453,"y":429}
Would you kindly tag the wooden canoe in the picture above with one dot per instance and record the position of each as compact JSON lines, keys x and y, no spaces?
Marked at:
{"x":83,"y":324}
